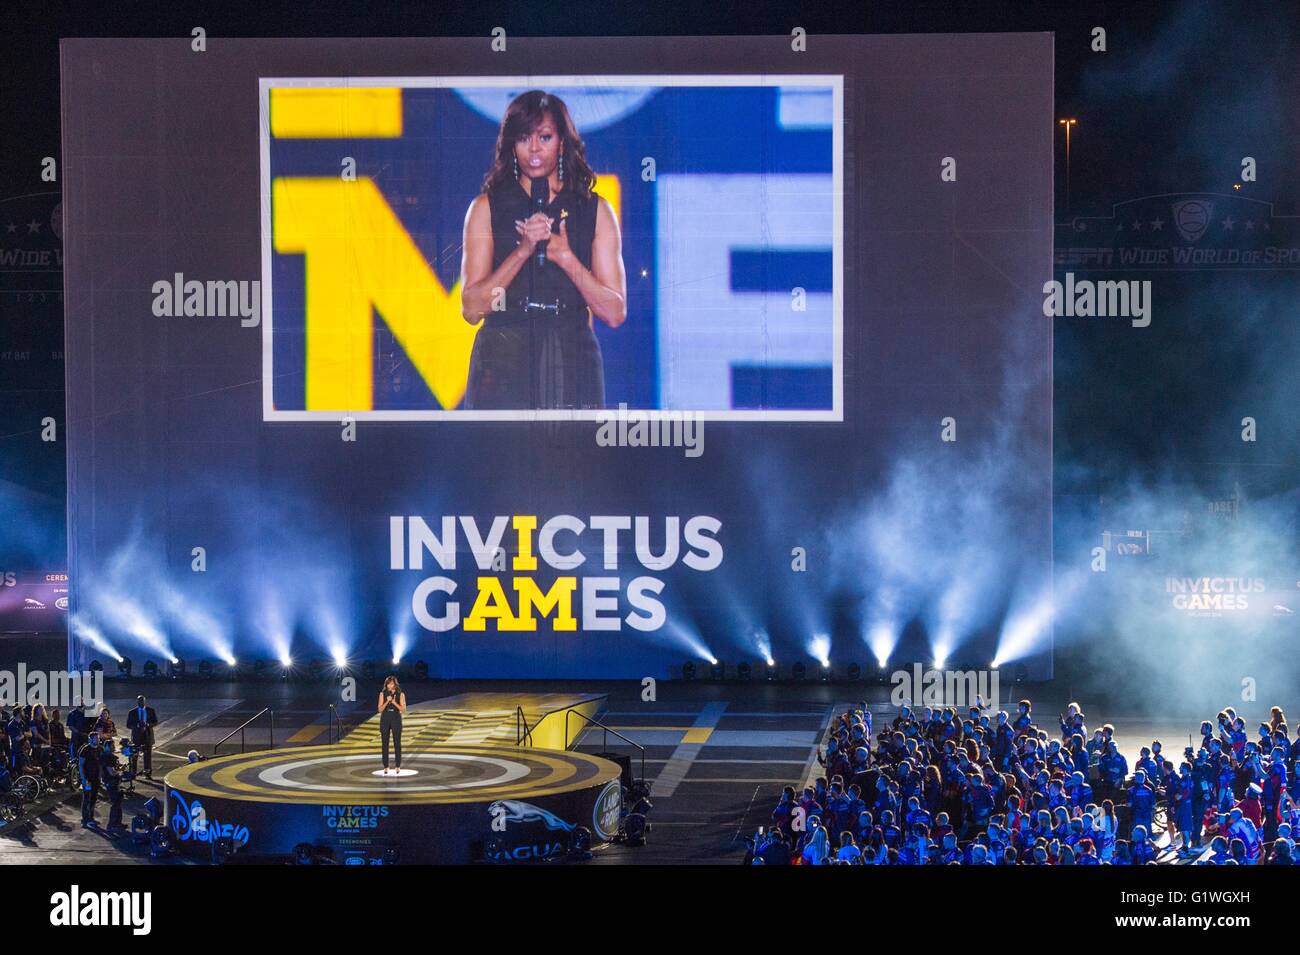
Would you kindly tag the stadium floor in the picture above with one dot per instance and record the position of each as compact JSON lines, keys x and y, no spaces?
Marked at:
{"x":717,"y":754}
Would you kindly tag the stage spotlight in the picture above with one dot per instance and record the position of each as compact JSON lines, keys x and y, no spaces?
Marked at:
{"x":222,"y":849}
{"x":940,"y":662}
{"x":797,"y":672}
{"x":150,"y":671}
{"x":340,"y":660}
{"x":176,"y":670}
{"x":143,"y":822}
{"x":717,"y":671}
{"x":742,"y":672}
{"x":580,"y":844}
{"x":286,"y":661}
{"x":772,"y":671}
{"x":688,"y":670}
{"x":634,"y":828}
{"x":421,"y":670}
{"x":160,"y":842}
{"x":827,"y":671}
{"x":636,"y":823}
{"x":854,"y":673}
{"x":124,"y":667}
{"x":141,"y":827}
{"x":205,"y":669}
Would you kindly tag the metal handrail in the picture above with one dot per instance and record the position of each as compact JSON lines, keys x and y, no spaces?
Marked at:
{"x":519,"y":714}
{"x":244,"y":725}
{"x":605,"y":742}
{"x":335,"y":718}
{"x":520,"y":717}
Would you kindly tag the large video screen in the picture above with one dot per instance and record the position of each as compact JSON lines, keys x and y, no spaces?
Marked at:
{"x":695,"y":349}
{"x":710,"y":204}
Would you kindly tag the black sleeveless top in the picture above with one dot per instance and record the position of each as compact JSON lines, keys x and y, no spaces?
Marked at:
{"x":549,"y":285}
{"x":390,"y":702}
{"x":528,"y":357}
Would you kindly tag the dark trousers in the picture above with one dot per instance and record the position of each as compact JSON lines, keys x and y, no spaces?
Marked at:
{"x":390,"y":723}
{"x":115,"y":806}
{"x":89,"y":796}
{"x":147,"y":750}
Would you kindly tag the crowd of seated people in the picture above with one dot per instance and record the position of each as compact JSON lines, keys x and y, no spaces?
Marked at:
{"x":31,"y":736}
{"x":934,"y":787}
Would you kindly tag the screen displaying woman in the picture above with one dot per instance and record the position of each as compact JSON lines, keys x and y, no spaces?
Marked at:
{"x":542,"y":255}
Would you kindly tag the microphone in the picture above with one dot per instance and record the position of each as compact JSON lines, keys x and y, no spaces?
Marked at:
{"x":540,"y":193}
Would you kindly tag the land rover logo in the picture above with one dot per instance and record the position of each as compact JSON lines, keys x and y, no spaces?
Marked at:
{"x":609,"y":806}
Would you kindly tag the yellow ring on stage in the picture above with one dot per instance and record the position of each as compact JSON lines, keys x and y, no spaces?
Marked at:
{"x":221,"y":777}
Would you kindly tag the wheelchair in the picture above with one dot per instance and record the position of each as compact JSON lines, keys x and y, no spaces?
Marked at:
{"x":62,"y":770}
{"x":29,"y":787}
{"x":12,"y":804}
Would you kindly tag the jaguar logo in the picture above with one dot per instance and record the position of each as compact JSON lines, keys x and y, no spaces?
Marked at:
{"x":511,"y":810}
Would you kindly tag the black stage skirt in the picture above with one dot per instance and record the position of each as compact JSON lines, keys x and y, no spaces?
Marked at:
{"x":536,"y":359}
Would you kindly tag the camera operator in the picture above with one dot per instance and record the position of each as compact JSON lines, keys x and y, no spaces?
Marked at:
{"x":141,"y":721}
{"x":111,"y":772}
{"x":88,"y":759}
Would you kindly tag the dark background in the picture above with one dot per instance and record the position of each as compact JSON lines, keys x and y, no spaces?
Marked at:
{"x":1182,"y":93}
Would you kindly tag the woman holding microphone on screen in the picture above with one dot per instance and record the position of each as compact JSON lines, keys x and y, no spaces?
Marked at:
{"x":542,"y":255}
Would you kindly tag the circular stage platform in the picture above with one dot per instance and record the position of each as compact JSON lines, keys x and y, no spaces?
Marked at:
{"x":452,"y":804}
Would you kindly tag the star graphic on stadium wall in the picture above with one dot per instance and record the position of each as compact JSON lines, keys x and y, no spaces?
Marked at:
{"x":1227,"y":223}
{"x":33,"y":226}
{"x":1157,"y":224}
{"x":12,"y":227}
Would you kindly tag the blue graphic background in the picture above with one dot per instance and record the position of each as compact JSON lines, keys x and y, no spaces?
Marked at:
{"x":434,"y":169}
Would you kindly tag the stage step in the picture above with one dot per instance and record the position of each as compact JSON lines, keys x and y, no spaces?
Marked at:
{"x":473,"y":719}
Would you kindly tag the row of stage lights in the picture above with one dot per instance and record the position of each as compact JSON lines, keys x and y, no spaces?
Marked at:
{"x":769,"y":670}
{"x":283,"y":669}
{"x":715,"y":671}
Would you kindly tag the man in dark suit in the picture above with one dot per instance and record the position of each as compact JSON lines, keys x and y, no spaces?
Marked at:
{"x":141,"y":721}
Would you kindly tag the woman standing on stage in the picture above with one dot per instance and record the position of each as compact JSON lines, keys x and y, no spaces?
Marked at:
{"x":536,"y":348}
{"x":392,"y":704}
